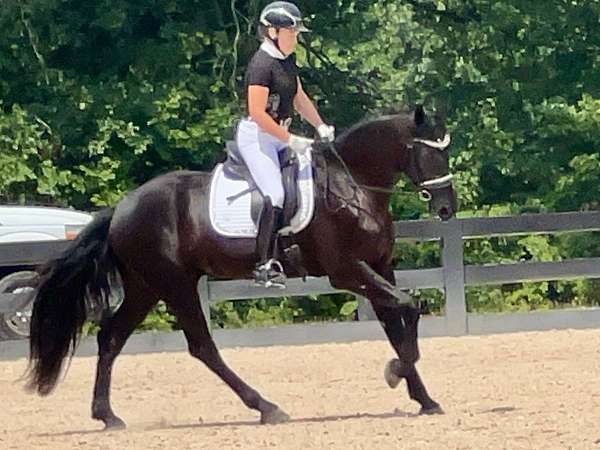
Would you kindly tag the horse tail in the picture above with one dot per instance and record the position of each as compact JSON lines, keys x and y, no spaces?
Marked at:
{"x":76,"y":282}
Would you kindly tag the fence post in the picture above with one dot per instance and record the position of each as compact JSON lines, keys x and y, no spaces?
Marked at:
{"x":365,"y":310}
{"x":204,"y":293}
{"x":454,"y":279}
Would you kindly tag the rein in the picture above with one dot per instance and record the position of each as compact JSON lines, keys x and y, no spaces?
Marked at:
{"x":435,"y":183}
{"x":352,"y":201}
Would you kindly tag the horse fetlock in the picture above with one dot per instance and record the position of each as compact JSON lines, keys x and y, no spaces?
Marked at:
{"x":100,"y":410}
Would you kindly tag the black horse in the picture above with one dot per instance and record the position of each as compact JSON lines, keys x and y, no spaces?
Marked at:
{"x":160,"y":242}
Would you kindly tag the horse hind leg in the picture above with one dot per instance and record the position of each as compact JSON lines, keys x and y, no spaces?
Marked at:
{"x":185,"y":302}
{"x":114,"y":332}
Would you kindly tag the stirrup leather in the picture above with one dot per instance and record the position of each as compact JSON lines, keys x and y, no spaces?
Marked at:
{"x":270,"y":274}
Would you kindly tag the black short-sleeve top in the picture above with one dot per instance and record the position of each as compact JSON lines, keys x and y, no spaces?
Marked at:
{"x":280,"y":76}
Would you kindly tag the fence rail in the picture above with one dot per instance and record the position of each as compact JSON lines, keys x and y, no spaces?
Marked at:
{"x":451,"y":277}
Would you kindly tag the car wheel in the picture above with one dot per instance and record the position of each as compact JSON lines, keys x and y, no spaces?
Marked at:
{"x":15,"y":324}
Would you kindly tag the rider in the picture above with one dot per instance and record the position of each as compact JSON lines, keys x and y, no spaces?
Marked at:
{"x":273,"y":90}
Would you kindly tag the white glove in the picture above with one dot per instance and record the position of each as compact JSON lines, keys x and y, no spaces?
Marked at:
{"x":326,"y":132}
{"x":299,"y":144}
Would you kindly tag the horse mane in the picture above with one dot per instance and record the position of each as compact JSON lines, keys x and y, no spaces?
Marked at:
{"x":373,"y":117}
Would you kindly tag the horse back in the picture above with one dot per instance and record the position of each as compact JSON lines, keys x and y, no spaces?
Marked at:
{"x":159,"y":213}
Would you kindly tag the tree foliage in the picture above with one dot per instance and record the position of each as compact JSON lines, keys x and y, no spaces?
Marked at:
{"x":96,"y":98}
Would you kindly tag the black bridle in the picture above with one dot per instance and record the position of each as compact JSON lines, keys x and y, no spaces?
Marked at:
{"x":425,"y":185}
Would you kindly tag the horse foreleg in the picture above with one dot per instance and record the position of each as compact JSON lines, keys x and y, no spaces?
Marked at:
{"x":114,"y":332}
{"x":400,"y":322}
{"x":401,"y":325}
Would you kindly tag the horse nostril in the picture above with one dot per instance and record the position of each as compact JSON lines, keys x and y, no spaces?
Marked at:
{"x":444,"y":213}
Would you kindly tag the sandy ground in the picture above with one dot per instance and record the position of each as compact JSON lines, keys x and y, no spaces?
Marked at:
{"x":528,"y":390}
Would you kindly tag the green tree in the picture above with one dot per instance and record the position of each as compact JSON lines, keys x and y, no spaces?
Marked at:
{"x":97,"y":98}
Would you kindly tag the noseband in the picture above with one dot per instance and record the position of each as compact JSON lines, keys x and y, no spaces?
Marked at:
{"x":434,"y":183}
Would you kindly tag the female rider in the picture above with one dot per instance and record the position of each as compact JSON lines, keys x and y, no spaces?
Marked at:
{"x":273,"y":91}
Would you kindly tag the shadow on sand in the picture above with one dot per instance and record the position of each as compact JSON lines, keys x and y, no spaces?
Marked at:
{"x":240,"y":423}
{"x":164,"y":425}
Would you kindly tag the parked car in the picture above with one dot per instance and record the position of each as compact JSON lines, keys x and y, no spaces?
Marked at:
{"x":21,"y":224}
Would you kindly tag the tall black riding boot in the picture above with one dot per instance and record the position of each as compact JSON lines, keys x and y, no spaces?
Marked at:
{"x":269,"y":271}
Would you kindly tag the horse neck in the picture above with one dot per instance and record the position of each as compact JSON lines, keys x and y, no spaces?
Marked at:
{"x":368,"y":157}
{"x":357,"y":170}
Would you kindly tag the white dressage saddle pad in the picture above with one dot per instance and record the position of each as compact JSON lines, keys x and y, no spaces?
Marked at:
{"x":230,"y":212}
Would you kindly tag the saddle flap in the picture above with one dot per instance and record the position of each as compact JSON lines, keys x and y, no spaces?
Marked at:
{"x":234,"y":166}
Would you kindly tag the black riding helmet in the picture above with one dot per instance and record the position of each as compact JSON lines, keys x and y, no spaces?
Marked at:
{"x":282,"y":15}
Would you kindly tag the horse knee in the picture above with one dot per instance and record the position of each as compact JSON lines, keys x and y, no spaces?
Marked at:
{"x":409,"y":355}
{"x":410,"y":315}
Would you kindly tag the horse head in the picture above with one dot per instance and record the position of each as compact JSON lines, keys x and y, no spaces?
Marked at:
{"x":380,"y":150}
{"x":428,"y":165}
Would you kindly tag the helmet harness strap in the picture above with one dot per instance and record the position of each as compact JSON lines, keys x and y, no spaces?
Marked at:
{"x":274,"y":40}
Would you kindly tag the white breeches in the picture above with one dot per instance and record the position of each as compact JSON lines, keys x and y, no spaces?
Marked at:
{"x":259,"y":150}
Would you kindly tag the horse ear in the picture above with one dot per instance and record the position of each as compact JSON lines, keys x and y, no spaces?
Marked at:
{"x":419,"y":115}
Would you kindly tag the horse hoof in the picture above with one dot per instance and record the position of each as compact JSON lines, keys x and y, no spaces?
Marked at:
{"x":274,"y":417}
{"x":114,"y":424}
{"x":390,"y":373}
{"x":437,"y":409}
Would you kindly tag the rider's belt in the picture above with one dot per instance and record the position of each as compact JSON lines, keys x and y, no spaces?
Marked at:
{"x":282,"y":123}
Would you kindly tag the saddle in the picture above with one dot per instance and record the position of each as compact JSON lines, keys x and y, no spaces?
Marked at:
{"x":235,"y":168}
{"x":235,"y":201}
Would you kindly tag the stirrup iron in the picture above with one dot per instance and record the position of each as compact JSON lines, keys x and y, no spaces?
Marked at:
{"x":270,"y":274}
